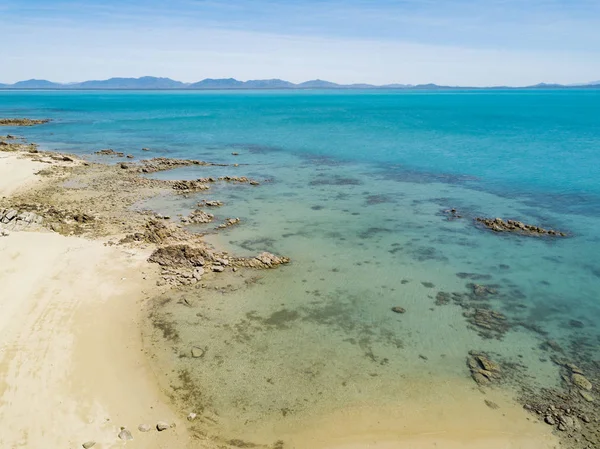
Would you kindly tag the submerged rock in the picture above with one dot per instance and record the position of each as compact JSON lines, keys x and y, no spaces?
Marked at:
{"x":263,"y":260}
{"x":239,"y":179}
{"x":581,"y":381}
{"x":398,"y":309}
{"x":442,"y":298}
{"x":190,"y":186}
{"x":489,"y":323}
{"x":482,"y":291}
{"x":210,"y":203}
{"x":229,"y":222}
{"x":452,"y":214}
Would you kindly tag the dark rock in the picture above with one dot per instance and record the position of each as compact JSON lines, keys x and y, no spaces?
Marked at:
{"x":550,"y":420}
{"x":517,"y":227}
{"x":398,"y":309}
{"x":491,"y":404}
{"x":483,"y":370}
{"x":576,"y":324}
{"x":490,"y":324}
{"x":109,"y":152}
{"x":442,"y":298}
{"x":181,"y":255}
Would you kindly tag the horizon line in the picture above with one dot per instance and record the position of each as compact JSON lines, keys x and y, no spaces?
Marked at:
{"x":251,"y":84}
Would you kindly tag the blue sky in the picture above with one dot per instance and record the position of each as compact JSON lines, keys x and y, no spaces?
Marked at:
{"x":466,"y":42}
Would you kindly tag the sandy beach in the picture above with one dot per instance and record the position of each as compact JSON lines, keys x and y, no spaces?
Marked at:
{"x":74,"y":368}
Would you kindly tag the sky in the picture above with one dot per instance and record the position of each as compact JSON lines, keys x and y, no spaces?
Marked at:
{"x":447,"y":42}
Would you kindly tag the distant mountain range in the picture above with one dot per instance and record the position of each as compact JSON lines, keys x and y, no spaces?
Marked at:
{"x":150,"y":82}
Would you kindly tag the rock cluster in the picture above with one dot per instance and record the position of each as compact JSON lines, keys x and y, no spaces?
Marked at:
{"x":210,"y":203}
{"x":189,"y":186}
{"x":181,"y":255}
{"x":198,"y":216}
{"x":164,"y":163}
{"x":18,"y":220}
{"x":229,"y":222}
{"x":154,"y":232}
{"x":109,"y":152}
{"x":514,"y":226}
{"x":483,"y":370}
{"x":239,"y":179}
{"x":489,"y":323}
{"x":22,"y":121}
{"x":263,"y":260}
{"x":452,"y":214}
{"x":479,"y":291}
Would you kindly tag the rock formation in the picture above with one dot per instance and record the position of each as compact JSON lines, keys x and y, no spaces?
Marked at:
{"x":517,"y":227}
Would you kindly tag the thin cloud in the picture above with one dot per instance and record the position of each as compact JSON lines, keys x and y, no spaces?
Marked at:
{"x":490,"y":42}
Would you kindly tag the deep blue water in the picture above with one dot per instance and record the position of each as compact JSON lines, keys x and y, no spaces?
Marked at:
{"x":358,"y":183}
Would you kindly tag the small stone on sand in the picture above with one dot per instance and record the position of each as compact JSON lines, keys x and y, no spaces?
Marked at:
{"x":197,"y":352}
{"x":125,"y":435}
{"x":144,"y":428}
{"x":88,"y":444}
{"x":191,"y":416}
{"x":161,"y":425}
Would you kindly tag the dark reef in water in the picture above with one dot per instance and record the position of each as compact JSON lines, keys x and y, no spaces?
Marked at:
{"x":22,"y":121}
{"x":517,"y":227}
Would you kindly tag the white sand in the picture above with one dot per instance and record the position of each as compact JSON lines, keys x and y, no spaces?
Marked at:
{"x":16,"y":173}
{"x":71,"y":362}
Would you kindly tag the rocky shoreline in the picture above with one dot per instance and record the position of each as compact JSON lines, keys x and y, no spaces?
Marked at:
{"x":96,"y":201}
{"x":76,"y":197}
{"x":99,"y":205}
{"x":572,"y":408}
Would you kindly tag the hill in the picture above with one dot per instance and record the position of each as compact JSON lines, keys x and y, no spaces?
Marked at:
{"x":145,"y":82}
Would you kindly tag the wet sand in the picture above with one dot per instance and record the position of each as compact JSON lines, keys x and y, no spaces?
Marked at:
{"x":74,"y":367}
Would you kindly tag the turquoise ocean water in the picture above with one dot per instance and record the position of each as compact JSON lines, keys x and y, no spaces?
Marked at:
{"x":356,"y":185}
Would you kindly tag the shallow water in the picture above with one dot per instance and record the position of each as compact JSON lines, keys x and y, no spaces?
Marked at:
{"x":353,"y":189}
